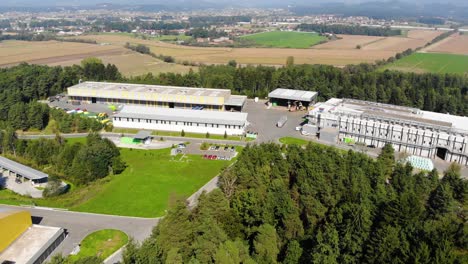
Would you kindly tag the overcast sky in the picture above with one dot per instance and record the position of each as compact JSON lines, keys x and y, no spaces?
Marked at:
{"x":247,"y":2}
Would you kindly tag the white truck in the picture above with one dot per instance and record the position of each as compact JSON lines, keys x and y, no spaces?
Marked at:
{"x":282,"y":121}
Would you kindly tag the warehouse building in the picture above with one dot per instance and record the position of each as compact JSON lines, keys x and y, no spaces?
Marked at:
{"x":12,"y":168}
{"x":213,"y":122}
{"x":21,"y":241}
{"x":293,"y":99}
{"x":409,"y":130}
{"x":157,"y":96}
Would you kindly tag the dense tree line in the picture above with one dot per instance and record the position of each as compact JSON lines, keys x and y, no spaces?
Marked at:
{"x":50,"y":23}
{"x":350,"y":30}
{"x":431,"y":20}
{"x":206,"y":21}
{"x":433,"y":92}
{"x":21,"y":86}
{"x":78,"y":163}
{"x":205,"y":33}
{"x":316,"y":205}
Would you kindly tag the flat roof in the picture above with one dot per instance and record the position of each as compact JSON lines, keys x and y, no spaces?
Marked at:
{"x":160,"y":93}
{"x":236,"y":100}
{"x":21,"y":169}
{"x":31,"y":244}
{"x":183,"y":115}
{"x":142,"y":134}
{"x":392,"y":112}
{"x":289,"y":94}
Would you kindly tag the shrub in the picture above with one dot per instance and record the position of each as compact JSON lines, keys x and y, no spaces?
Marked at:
{"x":204,"y":146}
{"x":207,"y":135}
{"x":182,"y":134}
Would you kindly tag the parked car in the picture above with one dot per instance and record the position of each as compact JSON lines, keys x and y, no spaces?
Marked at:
{"x":371,"y":146}
{"x":214,"y":157}
{"x":226,"y":148}
{"x":181,"y":146}
{"x":298,"y":128}
{"x":217,"y":148}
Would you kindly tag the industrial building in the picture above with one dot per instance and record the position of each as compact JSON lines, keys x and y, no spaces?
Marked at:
{"x":156,"y":96}
{"x":296,"y":99}
{"x":21,"y":241}
{"x":196,"y":121}
{"x":21,"y":171}
{"x":409,"y":130}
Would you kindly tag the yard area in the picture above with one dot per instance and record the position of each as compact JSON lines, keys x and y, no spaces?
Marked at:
{"x":152,"y":179}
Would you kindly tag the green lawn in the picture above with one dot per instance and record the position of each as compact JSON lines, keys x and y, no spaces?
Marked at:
{"x":431,"y":62}
{"x":150,"y":181}
{"x":293,"y":140}
{"x":101,"y":244}
{"x":144,"y":189}
{"x":286,"y":39}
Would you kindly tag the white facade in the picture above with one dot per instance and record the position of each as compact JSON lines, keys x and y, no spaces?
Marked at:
{"x":196,"y":121}
{"x":409,"y":130}
{"x":178,"y":126}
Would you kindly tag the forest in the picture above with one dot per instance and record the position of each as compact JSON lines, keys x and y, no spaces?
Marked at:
{"x":350,"y":30}
{"x":23,"y":85}
{"x":78,"y":163}
{"x":432,"y":92}
{"x":316,"y":205}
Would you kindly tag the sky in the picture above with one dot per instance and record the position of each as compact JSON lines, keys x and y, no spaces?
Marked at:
{"x":31,"y":3}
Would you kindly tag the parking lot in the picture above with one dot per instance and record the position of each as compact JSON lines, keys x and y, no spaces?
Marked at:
{"x":214,"y":152}
{"x":64,"y":103}
{"x":263,"y":121}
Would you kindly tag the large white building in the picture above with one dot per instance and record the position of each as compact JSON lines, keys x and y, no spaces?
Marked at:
{"x":197,"y":121}
{"x":156,"y":96}
{"x":410,"y":130}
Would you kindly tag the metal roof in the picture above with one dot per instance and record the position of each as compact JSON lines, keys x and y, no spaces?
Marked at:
{"x":289,"y":94}
{"x":142,"y":134}
{"x":183,"y":115}
{"x":236,"y":100}
{"x":160,"y":93}
{"x":21,"y":169}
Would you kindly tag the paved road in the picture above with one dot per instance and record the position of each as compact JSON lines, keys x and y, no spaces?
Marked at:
{"x":78,"y":224}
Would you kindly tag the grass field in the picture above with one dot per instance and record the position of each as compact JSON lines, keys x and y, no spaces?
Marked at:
{"x":101,"y":244}
{"x":150,"y":181}
{"x":431,"y":62}
{"x":285,"y":39}
{"x":293,"y":140}
{"x":144,"y":189}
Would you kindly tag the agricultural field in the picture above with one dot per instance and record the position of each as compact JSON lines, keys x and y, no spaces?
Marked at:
{"x":285,"y":39}
{"x":339,"y":52}
{"x":454,"y":44}
{"x":431,"y":62}
{"x":152,"y":179}
{"x":55,"y":53}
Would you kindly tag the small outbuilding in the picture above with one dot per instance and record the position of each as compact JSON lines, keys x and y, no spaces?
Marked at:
{"x":293,"y":99}
{"x":143,"y":136}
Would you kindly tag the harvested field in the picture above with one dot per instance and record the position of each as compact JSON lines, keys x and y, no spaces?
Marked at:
{"x":348,"y":42}
{"x":340,"y":52}
{"x":68,"y":53}
{"x":455,"y":44}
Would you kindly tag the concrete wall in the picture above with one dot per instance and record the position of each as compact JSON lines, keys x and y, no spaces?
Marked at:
{"x":12,"y":225}
{"x":172,"y":126}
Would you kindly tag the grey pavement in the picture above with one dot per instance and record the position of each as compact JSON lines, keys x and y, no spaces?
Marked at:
{"x":23,"y":188}
{"x":79,"y":225}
